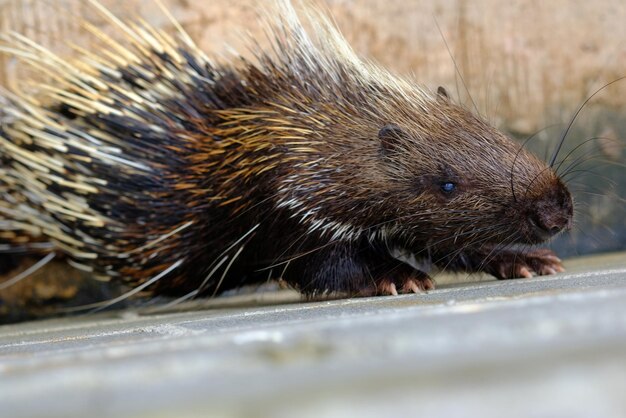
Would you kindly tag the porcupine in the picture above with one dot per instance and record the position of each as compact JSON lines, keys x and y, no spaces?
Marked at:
{"x":149,"y":163}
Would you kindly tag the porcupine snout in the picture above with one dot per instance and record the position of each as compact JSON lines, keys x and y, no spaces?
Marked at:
{"x":550,"y":213}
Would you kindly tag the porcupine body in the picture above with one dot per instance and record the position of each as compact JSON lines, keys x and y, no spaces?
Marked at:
{"x":151,"y":164}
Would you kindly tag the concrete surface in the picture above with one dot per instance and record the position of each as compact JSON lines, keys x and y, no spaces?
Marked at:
{"x":546,"y":347}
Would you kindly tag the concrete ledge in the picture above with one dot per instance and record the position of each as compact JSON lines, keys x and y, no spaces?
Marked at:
{"x":545,"y":347}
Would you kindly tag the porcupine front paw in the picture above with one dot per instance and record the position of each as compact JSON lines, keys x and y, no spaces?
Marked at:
{"x":511,"y":264}
{"x":402,"y":279}
{"x":355,"y":271}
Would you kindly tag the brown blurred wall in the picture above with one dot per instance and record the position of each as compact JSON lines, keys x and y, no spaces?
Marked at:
{"x":525,"y":62}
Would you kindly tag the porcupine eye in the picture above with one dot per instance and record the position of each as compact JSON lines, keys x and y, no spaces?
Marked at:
{"x":447,"y":182}
{"x":448,"y":187}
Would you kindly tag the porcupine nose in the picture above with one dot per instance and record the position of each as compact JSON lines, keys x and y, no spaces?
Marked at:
{"x":551,"y":213}
{"x":548,"y":225}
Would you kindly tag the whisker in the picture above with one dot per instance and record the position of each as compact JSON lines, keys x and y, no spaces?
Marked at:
{"x":32,"y":269}
{"x":232,"y":260}
{"x":573,"y":119}
{"x":456,"y":67}
{"x":99,"y":306}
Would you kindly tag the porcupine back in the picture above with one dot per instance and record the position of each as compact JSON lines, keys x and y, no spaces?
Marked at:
{"x":149,"y":162}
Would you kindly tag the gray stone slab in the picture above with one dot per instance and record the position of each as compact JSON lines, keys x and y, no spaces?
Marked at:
{"x":553,"y":346}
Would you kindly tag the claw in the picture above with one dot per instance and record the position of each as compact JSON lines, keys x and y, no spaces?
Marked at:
{"x":524,"y":272}
{"x":549,"y":270}
{"x":428,"y":283}
{"x":540,"y":262}
{"x":392,"y":289}
{"x":413,"y":287}
{"x":552,"y":258}
{"x":414,"y":282}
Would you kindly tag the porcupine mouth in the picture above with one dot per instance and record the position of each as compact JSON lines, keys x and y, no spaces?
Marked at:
{"x":537,"y":234}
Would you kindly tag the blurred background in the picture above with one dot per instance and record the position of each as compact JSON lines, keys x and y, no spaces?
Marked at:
{"x":525,"y":65}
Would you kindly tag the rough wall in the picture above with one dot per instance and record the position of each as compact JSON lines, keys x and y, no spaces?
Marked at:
{"x":524,"y":61}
